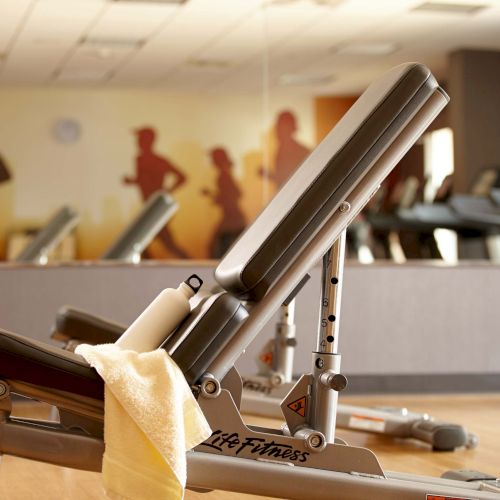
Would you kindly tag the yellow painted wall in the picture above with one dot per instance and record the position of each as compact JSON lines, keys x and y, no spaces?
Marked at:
{"x":88,"y":174}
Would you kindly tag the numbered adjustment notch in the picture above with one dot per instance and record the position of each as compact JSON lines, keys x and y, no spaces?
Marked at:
{"x":332,"y":276}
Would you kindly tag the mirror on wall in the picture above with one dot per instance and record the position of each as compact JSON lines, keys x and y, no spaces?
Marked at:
{"x":159,"y":129}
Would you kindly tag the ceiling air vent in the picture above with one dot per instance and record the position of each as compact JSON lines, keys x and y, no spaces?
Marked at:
{"x":111,"y":43}
{"x":327,"y":3}
{"x":171,"y":2}
{"x":450,"y":7}
{"x":295,"y":79}
{"x":366,"y":48}
{"x":208,"y":63}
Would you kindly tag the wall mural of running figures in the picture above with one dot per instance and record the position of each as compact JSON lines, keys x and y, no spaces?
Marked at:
{"x":289,"y":152}
{"x":4,"y":171}
{"x":155,"y":172}
{"x":226,"y":197}
{"x":6,"y":203}
{"x":218,"y":192}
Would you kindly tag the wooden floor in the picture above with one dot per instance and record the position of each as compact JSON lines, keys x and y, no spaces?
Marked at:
{"x":25,"y":480}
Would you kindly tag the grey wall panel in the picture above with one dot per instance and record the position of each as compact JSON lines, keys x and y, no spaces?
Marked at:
{"x":411,"y":319}
{"x":418,"y":319}
{"x":30,"y":296}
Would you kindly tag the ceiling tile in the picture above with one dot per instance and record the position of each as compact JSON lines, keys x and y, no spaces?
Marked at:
{"x":11,"y":15}
{"x":92,"y":60}
{"x":60,"y":19}
{"x":189,"y":78}
{"x":153,"y":62}
{"x":243,"y":41}
{"x":265,"y":28}
{"x":192,"y":27}
{"x":30,"y":68}
{"x":51,"y":30}
{"x":132,"y":21}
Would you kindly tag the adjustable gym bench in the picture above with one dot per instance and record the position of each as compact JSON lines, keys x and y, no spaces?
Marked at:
{"x":305,"y":221}
{"x":263,"y":393}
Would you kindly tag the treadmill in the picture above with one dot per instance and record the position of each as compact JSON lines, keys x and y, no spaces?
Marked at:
{"x":47,"y":238}
{"x":157,"y":211}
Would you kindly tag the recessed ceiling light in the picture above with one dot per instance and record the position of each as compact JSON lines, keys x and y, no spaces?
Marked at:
{"x":296,"y":79}
{"x":99,"y":52}
{"x":151,"y":1}
{"x":450,"y":7}
{"x":208,"y":63}
{"x":329,"y":3}
{"x":367,"y":48}
{"x":47,"y":41}
{"x":112,"y":43}
{"x":102,"y":53}
{"x":79,"y":75}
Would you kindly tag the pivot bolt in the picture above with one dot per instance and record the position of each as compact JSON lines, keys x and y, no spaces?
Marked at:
{"x":277,"y":379}
{"x":344,"y":207}
{"x":210,"y":387}
{"x":335,"y":381}
{"x":315,"y":441}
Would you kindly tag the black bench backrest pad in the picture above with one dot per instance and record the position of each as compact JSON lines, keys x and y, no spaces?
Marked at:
{"x":271,"y":243}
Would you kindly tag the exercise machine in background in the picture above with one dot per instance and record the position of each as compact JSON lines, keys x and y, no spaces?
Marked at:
{"x":49,"y":236}
{"x":472,"y":217}
{"x":157,"y":211}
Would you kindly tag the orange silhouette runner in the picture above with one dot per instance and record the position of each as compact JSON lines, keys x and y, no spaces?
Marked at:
{"x":290,"y":152}
{"x":227,"y":196}
{"x":4,"y":171}
{"x":151,"y":172}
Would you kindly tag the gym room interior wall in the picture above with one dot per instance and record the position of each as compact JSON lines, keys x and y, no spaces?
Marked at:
{"x":89,"y":173}
{"x":474,"y":87}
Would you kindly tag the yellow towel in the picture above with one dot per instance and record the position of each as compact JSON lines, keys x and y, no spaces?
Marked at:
{"x":150,"y":420}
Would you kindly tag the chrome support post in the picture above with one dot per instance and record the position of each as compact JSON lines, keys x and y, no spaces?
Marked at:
{"x":284,"y":343}
{"x":327,"y":380}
